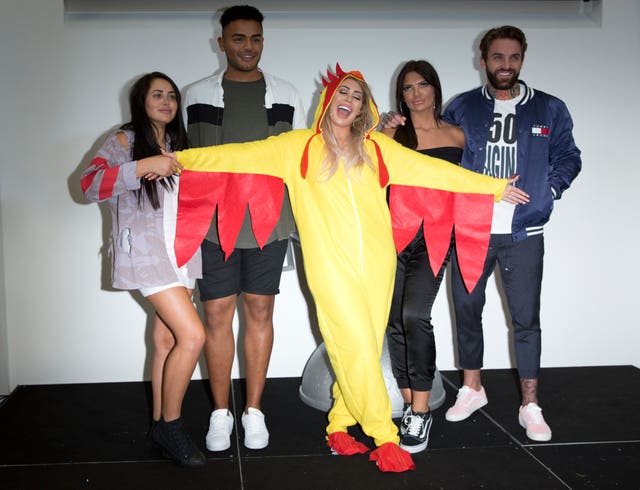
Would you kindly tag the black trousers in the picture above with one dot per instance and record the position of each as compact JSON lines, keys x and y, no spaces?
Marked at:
{"x":521,"y":271}
{"x":411,"y":342}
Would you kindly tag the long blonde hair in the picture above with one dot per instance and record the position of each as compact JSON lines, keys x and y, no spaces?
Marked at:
{"x":355,"y":155}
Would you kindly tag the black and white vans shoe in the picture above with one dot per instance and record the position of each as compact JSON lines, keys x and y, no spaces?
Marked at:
{"x":416,"y":437}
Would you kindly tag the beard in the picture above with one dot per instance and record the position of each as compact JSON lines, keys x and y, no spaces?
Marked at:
{"x":502,"y":84}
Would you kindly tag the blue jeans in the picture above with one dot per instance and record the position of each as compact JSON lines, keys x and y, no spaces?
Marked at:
{"x":521,"y":271}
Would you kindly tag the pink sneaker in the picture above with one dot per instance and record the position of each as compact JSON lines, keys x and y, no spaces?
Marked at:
{"x":468,"y":401}
{"x":530,"y":417}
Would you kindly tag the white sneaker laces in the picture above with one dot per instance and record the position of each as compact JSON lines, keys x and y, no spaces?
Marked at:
{"x":415,"y":425}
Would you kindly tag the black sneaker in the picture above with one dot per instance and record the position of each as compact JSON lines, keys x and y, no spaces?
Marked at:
{"x":176,"y":443}
{"x":406,"y":417}
{"x":416,"y":437}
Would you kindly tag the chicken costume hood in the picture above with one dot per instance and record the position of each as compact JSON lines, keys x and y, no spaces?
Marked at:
{"x":331,"y":84}
{"x":347,"y":240}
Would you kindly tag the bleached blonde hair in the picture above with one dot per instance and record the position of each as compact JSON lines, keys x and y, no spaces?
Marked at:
{"x":355,"y":155}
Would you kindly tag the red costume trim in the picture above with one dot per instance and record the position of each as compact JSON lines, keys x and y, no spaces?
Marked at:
{"x":438,"y":211}
{"x":383,"y":173}
{"x":472,"y":218}
{"x":202,"y":192}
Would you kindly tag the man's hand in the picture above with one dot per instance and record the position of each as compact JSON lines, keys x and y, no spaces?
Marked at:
{"x":512,"y":194}
{"x":391,"y":120}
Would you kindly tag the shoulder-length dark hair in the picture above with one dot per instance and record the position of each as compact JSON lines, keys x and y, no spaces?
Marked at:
{"x":145,"y":144}
{"x":406,"y":135}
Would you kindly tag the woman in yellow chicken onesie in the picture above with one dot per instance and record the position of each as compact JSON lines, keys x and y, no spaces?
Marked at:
{"x":336,"y":175}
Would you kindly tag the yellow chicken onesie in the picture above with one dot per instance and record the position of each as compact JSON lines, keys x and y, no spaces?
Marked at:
{"x":346,"y":238}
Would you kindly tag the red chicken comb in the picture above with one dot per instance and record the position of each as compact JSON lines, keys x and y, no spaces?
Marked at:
{"x":333,"y":77}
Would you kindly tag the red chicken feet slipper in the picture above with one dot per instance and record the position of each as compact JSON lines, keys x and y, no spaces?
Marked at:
{"x":391,"y":457}
{"x":343,"y":444}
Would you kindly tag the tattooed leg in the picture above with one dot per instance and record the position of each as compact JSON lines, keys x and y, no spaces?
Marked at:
{"x":529,"y":388}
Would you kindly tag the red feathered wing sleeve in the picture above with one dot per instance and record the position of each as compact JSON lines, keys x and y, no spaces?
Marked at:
{"x":200,"y":194}
{"x":439,"y":212}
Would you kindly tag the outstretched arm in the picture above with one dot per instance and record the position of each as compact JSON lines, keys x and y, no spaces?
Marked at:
{"x":112,"y":172}
{"x":232,"y":177}
{"x":441,"y":196}
{"x":410,"y":168}
{"x":264,"y":157}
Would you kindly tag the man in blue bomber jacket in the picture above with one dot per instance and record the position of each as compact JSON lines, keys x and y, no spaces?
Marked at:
{"x":511,"y":128}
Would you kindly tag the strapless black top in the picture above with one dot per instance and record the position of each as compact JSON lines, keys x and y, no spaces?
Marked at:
{"x":451,"y":154}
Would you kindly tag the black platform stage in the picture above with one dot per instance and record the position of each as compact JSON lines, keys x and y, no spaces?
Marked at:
{"x":93,"y":436}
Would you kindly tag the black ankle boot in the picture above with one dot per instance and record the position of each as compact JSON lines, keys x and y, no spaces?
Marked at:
{"x":176,"y":443}
{"x":152,"y":428}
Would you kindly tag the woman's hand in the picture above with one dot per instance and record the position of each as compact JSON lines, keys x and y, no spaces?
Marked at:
{"x":158,"y":166}
{"x":512,"y":194}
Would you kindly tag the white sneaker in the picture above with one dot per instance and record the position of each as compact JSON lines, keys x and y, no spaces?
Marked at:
{"x":220,"y":428}
{"x":531,"y":419}
{"x":256,"y":435}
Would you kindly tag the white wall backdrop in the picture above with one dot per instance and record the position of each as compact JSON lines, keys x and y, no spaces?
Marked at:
{"x":64,"y":81}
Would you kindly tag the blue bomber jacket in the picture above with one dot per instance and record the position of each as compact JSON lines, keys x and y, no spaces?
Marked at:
{"x":548,"y":157}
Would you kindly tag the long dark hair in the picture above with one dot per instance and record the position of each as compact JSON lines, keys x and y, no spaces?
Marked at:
{"x":406,"y":135}
{"x":145,"y":144}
